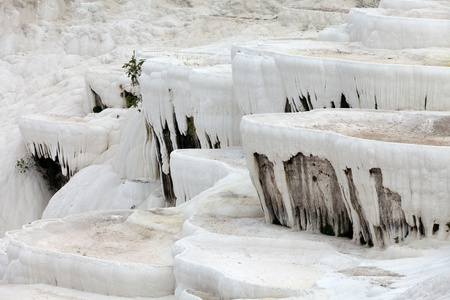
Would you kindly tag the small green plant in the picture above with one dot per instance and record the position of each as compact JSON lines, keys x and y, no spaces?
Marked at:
{"x":49,"y":169}
{"x":191,"y":127}
{"x":131,"y":99}
{"x":133,"y":71}
{"x":97,"y":109}
{"x":24,"y":165}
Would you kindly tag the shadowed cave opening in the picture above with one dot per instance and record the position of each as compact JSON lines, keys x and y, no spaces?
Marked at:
{"x":51,"y":171}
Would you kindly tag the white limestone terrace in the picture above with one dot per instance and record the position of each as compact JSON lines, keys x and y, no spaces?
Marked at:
{"x":280,"y":76}
{"x":172,"y":93}
{"x":376,"y":176}
{"x":228,"y":251}
{"x":46,"y":48}
{"x":188,"y":106}
{"x":227,"y":258}
{"x":191,"y":169}
{"x":51,"y":51}
{"x":103,"y":88}
{"x":119,"y":253}
{"x":405,"y":26}
{"x":49,"y":292}
{"x":122,"y":253}
{"x":72,"y":141}
{"x":221,"y":252}
{"x":316,"y":15}
{"x":129,"y":170}
{"x":388,"y":58}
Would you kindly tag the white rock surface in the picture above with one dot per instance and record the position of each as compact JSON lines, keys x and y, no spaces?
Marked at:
{"x":50,"y":292}
{"x":359,"y":145}
{"x":194,"y":171}
{"x":393,"y":29}
{"x":53,"y":51}
{"x":323,"y":78}
{"x":121,"y":253}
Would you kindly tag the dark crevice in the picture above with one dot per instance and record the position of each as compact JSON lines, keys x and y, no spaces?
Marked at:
{"x":272,"y":197}
{"x":287,"y":107}
{"x":294,"y":107}
{"x":344,"y":103}
{"x":435,"y":228}
{"x":51,"y":172}
{"x":365,"y":235}
{"x":392,"y":217}
{"x":189,"y":140}
{"x":309,"y":102}
{"x":421,"y":227}
{"x":98,"y":100}
{"x":359,"y":98}
{"x":304,"y":102}
{"x":169,"y":194}
{"x":208,"y":140}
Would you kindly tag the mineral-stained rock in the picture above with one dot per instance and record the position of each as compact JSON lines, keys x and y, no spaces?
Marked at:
{"x":275,"y":209}
{"x":378,"y":177}
{"x":315,"y":195}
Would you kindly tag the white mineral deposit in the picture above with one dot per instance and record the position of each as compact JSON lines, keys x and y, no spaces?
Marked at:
{"x":193,"y":149}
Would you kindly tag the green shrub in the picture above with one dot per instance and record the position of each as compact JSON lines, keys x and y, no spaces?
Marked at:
{"x":133,"y":68}
{"x":131,"y":99}
{"x":24,"y":165}
{"x":97,"y":109}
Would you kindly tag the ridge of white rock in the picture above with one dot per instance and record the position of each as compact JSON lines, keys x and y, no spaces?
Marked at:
{"x":284,"y":76}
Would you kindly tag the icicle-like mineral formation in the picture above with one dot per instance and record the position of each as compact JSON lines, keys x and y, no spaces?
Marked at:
{"x":73,"y":142}
{"x":188,"y":107}
{"x":273,"y":81}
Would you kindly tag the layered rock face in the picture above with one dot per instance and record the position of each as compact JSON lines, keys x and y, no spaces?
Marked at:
{"x":361,"y":174}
